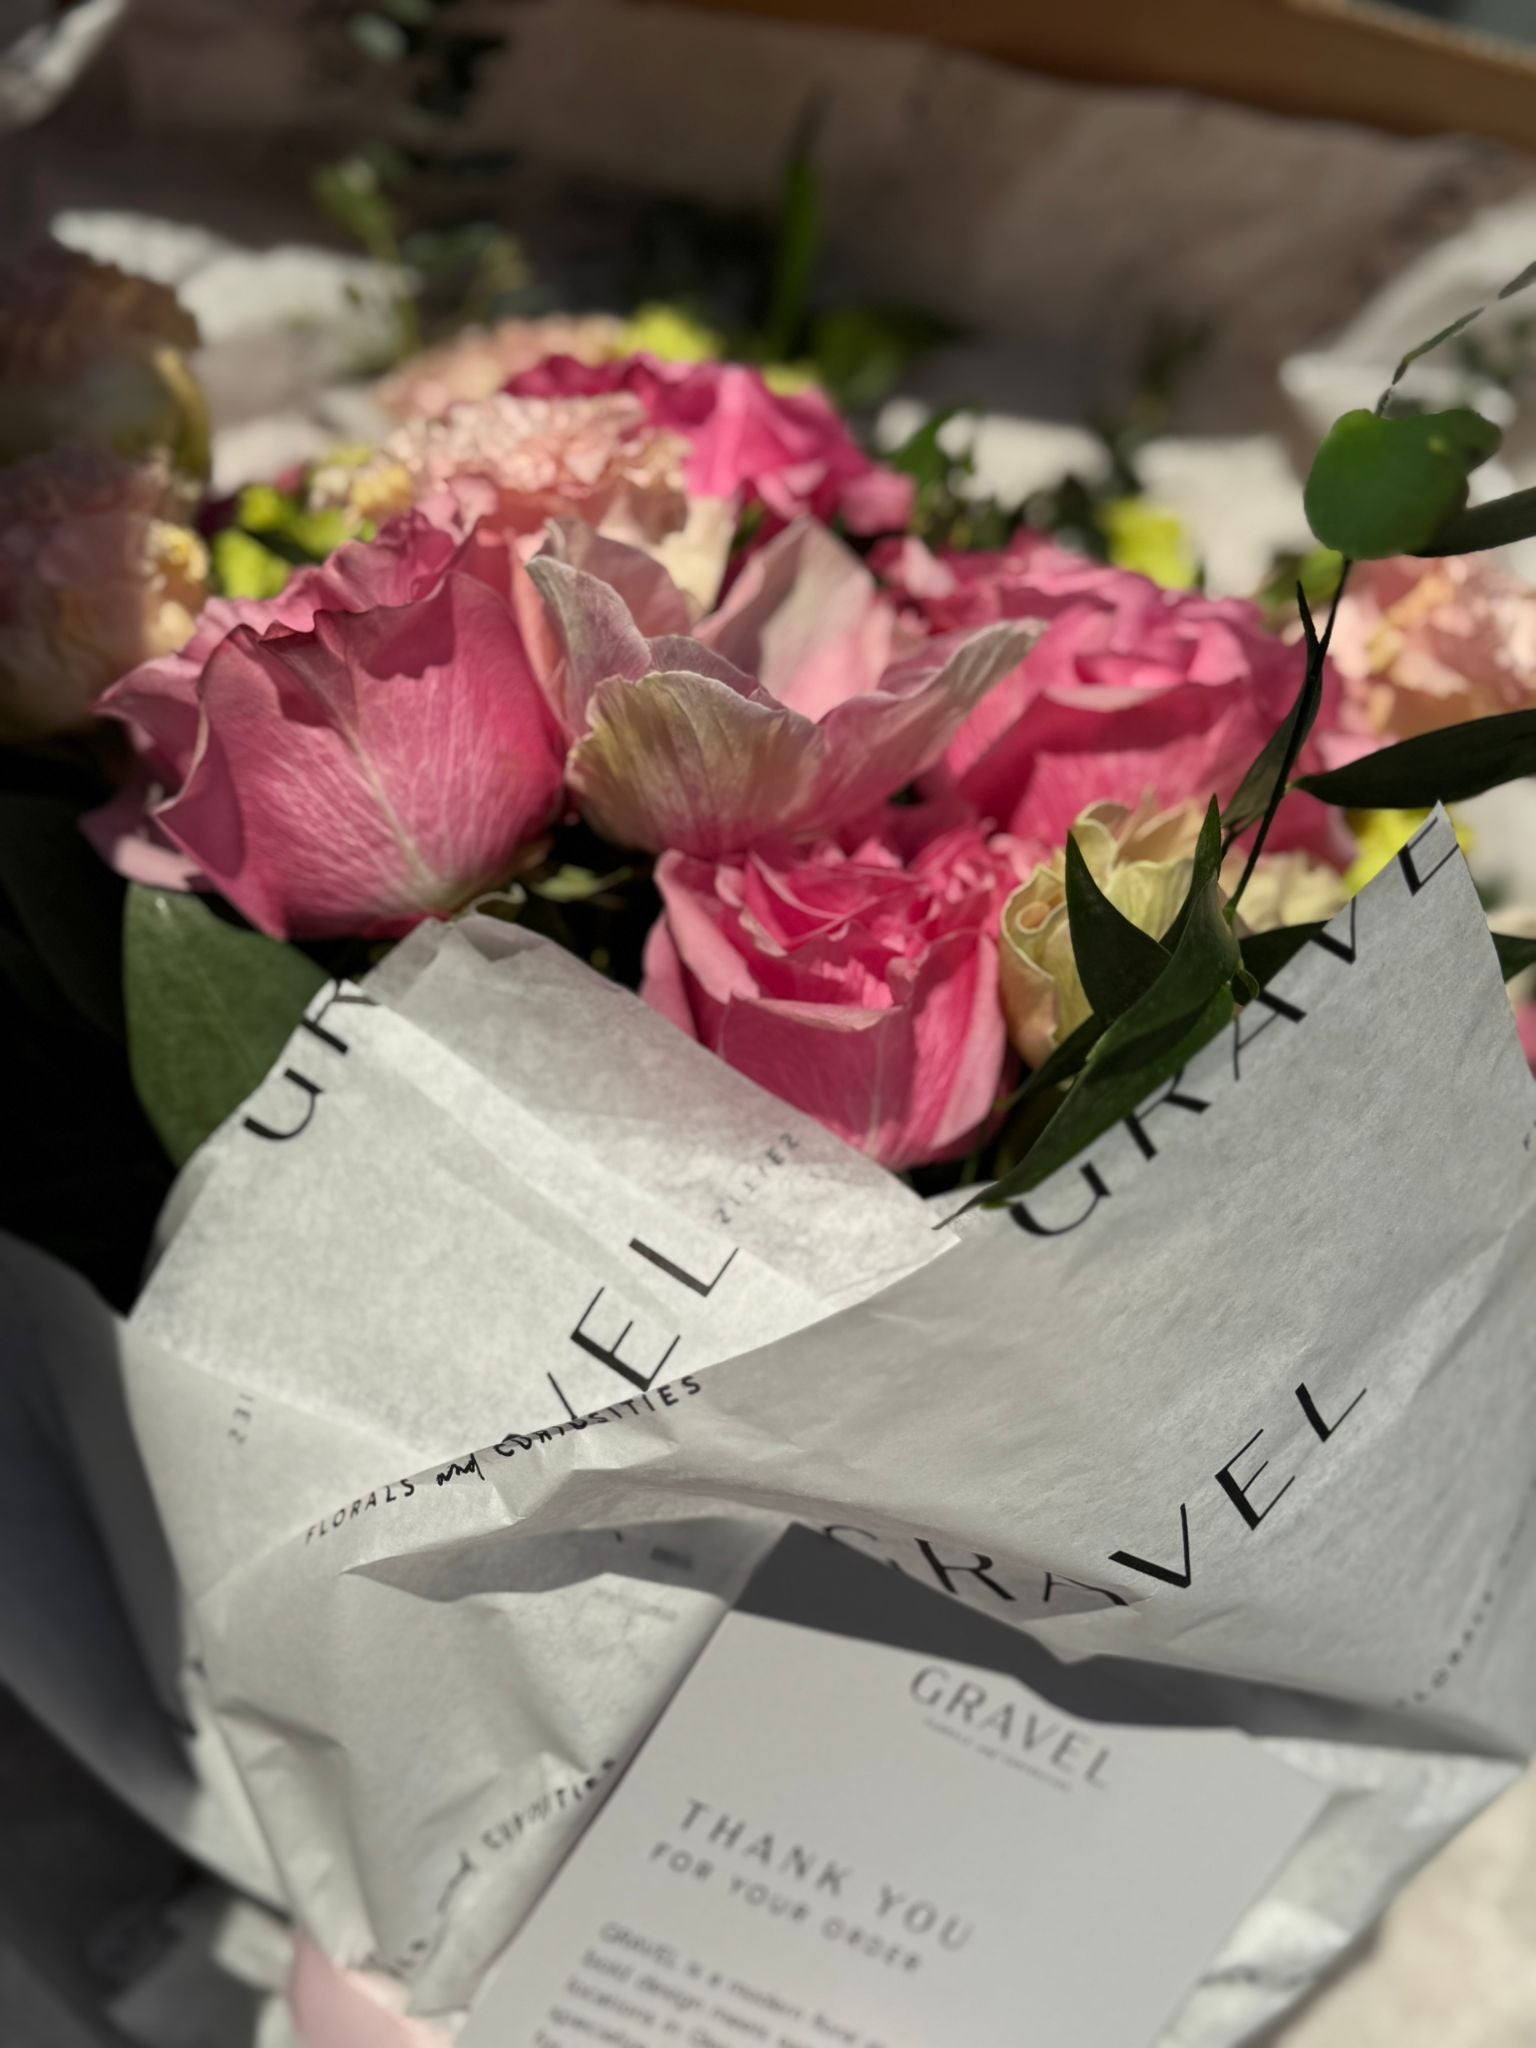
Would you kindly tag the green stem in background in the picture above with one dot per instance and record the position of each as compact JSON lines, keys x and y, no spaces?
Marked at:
{"x":1299,"y":726}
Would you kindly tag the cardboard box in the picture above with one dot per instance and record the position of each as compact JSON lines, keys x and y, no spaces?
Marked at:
{"x":1337,"y":59}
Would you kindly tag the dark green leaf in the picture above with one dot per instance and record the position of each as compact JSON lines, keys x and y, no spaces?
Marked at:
{"x":209,"y":1006}
{"x":65,"y":901}
{"x":1257,"y":790}
{"x":1100,"y":1101}
{"x":1383,"y":487}
{"x":924,"y":458}
{"x":1493,"y":525}
{"x":1148,"y":1043}
{"x":1518,"y":284}
{"x":1515,"y":954}
{"x":1117,"y":961}
{"x":1061,"y":1065}
{"x":1444,"y":767}
{"x":1265,"y":953}
{"x":795,"y":260}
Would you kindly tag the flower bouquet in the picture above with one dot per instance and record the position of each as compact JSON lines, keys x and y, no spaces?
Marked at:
{"x":598,"y":859}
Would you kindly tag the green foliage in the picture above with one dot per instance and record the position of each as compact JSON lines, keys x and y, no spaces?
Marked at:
{"x":799,"y":244}
{"x":1383,"y":487}
{"x":1117,"y":962}
{"x":1149,"y":1041}
{"x":209,"y":1007}
{"x":1444,"y":767}
{"x":242,"y":567}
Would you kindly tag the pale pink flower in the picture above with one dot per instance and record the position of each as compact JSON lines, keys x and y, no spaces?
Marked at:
{"x":91,"y":357}
{"x":516,"y":463}
{"x":1427,"y":644}
{"x":370,"y":748}
{"x":478,"y":361}
{"x":97,"y":574}
{"x":860,"y":985}
{"x":791,"y":710}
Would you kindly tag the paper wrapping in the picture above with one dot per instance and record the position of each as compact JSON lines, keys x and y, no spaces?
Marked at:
{"x":1244,"y":1393}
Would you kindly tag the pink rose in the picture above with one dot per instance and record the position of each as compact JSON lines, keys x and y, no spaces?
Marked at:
{"x":96,"y":573}
{"x":1131,"y":692}
{"x":1426,"y":644}
{"x":785,"y":713}
{"x":793,"y":454}
{"x":370,"y":748}
{"x":860,"y":986}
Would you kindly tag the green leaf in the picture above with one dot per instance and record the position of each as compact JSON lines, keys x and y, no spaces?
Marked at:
{"x":1117,"y":962}
{"x":1515,"y":954}
{"x":924,"y":458}
{"x":861,"y":353}
{"x":1383,"y":487}
{"x":242,"y":567}
{"x":1444,"y":767}
{"x":65,"y":901}
{"x":1493,"y":525}
{"x":210,"y":1006}
{"x":798,"y":245}
{"x":1518,"y":284}
{"x":1152,"y":1040}
{"x":1066,"y":1060}
{"x":1259,"y":789}
{"x":1101,"y":1100}
{"x":1265,"y":953}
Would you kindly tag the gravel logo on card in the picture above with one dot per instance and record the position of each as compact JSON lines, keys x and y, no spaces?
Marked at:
{"x":1018,"y":1730}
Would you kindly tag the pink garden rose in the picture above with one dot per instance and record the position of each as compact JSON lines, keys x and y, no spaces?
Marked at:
{"x":793,"y":454}
{"x":97,"y":573}
{"x":1426,"y":644}
{"x":369,"y":748}
{"x":861,"y":986}
{"x":790,"y":711}
{"x":1131,"y":692}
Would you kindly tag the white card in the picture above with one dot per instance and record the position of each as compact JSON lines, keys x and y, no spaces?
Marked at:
{"x":838,"y":1842}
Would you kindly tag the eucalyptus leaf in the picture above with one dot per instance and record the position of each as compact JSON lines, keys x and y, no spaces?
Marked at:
{"x":1443,"y":767}
{"x":209,"y":1007}
{"x":1383,"y":487}
{"x":1117,"y":961}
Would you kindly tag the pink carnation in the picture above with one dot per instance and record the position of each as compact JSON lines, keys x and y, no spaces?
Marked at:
{"x":370,"y":748}
{"x":793,"y":454}
{"x":1131,"y":692}
{"x":861,"y":986}
{"x":477,"y":361}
